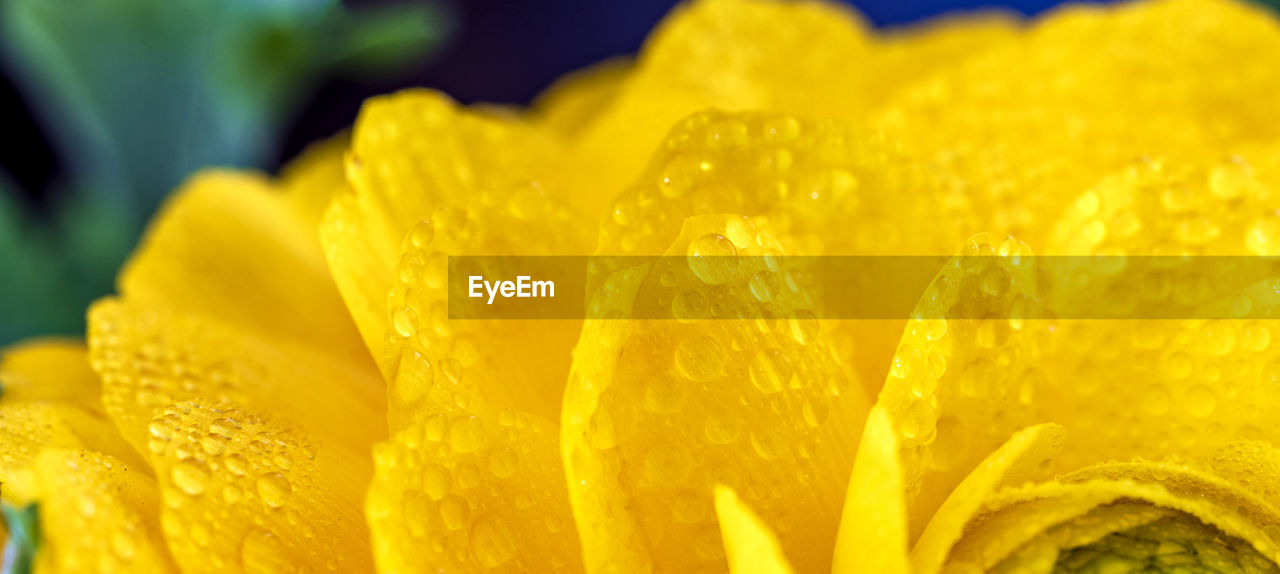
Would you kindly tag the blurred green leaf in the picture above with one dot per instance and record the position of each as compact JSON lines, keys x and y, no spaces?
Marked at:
{"x":20,"y":549}
{"x":139,"y":94}
{"x":376,"y":41}
{"x":33,"y":297}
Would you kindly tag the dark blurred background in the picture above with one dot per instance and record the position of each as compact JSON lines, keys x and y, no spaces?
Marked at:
{"x":247,"y":83}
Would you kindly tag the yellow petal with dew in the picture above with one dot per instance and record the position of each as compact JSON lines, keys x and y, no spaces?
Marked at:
{"x":749,"y":545}
{"x":97,"y":514}
{"x":1059,"y":521}
{"x":1024,"y":457}
{"x":150,"y":358}
{"x":705,"y":54}
{"x":659,"y":411}
{"x":959,"y":387}
{"x":232,"y":246}
{"x":1193,"y":86}
{"x":873,"y":526}
{"x":52,"y":400}
{"x":822,"y":61}
{"x":474,"y":403}
{"x":833,"y":187}
{"x":243,"y":491}
{"x":419,"y":166}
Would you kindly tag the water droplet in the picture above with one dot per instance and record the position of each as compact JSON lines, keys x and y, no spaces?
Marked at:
{"x":664,"y":394}
{"x":492,"y":541}
{"x":466,"y":434}
{"x":274,"y":489}
{"x":454,"y":511}
{"x":160,"y":430}
{"x":699,"y":359}
{"x":723,"y":428}
{"x":1262,"y":236}
{"x":191,"y":478}
{"x":1200,"y":401}
{"x":405,"y":320}
{"x":236,"y":464}
{"x":423,"y":233}
{"x":712,"y":258}
{"x":435,"y":481}
{"x":770,"y":371}
{"x":764,"y":286}
{"x":815,"y":412}
{"x":804,"y":326}
{"x":688,"y":306}
{"x":767,"y":444}
{"x":503,"y":461}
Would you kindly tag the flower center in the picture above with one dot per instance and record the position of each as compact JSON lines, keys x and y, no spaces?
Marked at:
{"x":1149,"y":540}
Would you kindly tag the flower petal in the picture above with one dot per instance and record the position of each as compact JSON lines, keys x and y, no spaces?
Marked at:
{"x":51,"y":399}
{"x":242,"y":491}
{"x":474,"y":404}
{"x":658,"y":412}
{"x":985,"y":120}
{"x":97,"y":514}
{"x":576,"y":99}
{"x":749,"y":545}
{"x":48,"y":369}
{"x":232,"y":247}
{"x":1024,"y":457}
{"x":706,"y":54}
{"x":833,"y":187}
{"x":873,"y":527}
{"x":315,"y":177}
{"x":418,"y":167}
{"x":150,"y":358}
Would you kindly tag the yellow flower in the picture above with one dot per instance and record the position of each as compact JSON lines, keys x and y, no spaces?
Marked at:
{"x":278,"y":385}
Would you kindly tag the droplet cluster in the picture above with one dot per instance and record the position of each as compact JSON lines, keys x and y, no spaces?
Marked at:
{"x":744,"y":388}
{"x":241,"y":491}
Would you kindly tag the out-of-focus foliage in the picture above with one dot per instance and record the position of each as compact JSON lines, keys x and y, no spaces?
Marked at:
{"x":137,"y":94}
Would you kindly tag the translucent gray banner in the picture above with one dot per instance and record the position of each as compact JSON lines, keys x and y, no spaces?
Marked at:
{"x":864,"y":287}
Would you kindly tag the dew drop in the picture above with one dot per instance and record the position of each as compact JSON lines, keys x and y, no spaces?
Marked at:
{"x":191,"y":478}
{"x":492,"y":541}
{"x":466,"y":434}
{"x":274,"y":489}
{"x":770,"y":371}
{"x":454,"y":511}
{"x":699,"y":359}
{"x":405,"y":320}
{"x":503,"y":461}
{"x":712,"y":258}
{"x":435,"y":481}
{"x":688,"y":306}
{"x":1200,"y":401}
{"x":764,"y":286}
